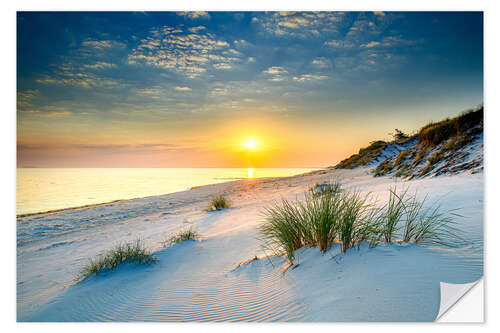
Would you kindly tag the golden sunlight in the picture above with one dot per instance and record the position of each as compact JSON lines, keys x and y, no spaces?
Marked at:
{"x":251,"y":173}
{"x":251,"y":144}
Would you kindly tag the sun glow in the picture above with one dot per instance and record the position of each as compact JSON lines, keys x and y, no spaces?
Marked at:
{"x":251,"y":144}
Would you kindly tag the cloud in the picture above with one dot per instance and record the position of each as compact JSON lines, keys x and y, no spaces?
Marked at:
{"x":194,"y":15}
{"x":196,"y":29}
{"x":276,"y":70}
{"x":48,"y":114}
{"x":78,"y":79}
{"x":57,"y":114}
{"x":153,"y":92}
{"x":219,"y":91}
{"x":321,"y":62}
{"x":179,"y":50}
{"x":182,"y":88}
{"x":25,"y":98}
{"x":99,"y":65}
{"x":342,"y":44}
{"x":299,"y":24}
{"x":108,"y":148}
{"x":276,"y":73}
{"x":371,"y":44}
{"x":102,"y":44}
{"x":391,"y":41}
{"x":309,"y":77}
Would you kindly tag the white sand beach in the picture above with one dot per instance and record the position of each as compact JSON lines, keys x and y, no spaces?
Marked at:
{"x":196,"y":280}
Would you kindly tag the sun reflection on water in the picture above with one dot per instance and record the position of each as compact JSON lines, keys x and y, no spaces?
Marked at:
{"x":251,"y":173}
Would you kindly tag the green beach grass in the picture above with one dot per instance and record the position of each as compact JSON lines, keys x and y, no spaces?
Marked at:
{"x":347,"y":217}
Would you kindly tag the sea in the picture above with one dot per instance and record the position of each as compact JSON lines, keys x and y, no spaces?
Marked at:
{"x":46,"y":189}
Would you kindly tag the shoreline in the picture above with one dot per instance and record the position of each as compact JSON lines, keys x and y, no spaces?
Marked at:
{"x":76,"y":208}
{"x":106,"y":203}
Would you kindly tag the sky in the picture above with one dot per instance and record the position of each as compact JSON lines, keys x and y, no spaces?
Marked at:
{"x":235,"y":89}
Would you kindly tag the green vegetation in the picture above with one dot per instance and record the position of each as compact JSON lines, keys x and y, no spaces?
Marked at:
{"x":354,"y":220}
{"x":434,"y":133}
{"x":402,"y":155}
{"x":391,"y":214}
{"x":400,"y":137}
{"x":413,"y":214}
{"x":421,"y":153}
{"x":436,"y":227}
{"x":218,"y":202}
{"x":437,"y":142}
{"x":457,"y":142}
{"x":383,"y":168}
{"x":284,"y":229}
{"x":347,"y":218}
{"x":364,"y":156}
{"x":134,"y":252}
{"x":181,"y":236}
{"x":435,"y":157}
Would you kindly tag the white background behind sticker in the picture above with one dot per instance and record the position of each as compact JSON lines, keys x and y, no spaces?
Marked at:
{"x":468,"y":309}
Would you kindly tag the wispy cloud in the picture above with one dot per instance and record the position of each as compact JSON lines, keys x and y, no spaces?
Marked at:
{"x":99,"y":65}
{"x":276,"y":73}
{"x":194,"y":15}
{"x":309,"y":77}
{"x":321,"y":62}
{"x":49,"y":111}
{"x":182,"y":88}
{"x":79,"y":79}
{"x":102,"y":44}
{"x":371,"y":44}
{"x":25,"y":98}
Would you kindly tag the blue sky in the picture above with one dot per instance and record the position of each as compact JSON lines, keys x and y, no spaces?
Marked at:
{"x":178,"y":89}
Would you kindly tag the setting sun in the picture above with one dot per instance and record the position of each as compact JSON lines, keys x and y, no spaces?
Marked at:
{"x":251,"y":144}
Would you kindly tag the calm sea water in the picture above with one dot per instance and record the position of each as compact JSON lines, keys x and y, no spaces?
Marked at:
{"x":44,"y":189}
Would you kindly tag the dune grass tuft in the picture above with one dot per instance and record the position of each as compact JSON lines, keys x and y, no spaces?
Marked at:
{"x":320,"y":218}
{"x":392,"y":213}
{"x":181,"y":236}
{"x":355,"y":220}
{"x":437,"y":227}
{"x":284,"y":230}
{"x":348,"y":218}
{"x":218,"y":202}
{"x":134,"y":252}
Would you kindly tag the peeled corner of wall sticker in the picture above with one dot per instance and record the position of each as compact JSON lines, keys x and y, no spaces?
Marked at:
{"x":461,"y":303}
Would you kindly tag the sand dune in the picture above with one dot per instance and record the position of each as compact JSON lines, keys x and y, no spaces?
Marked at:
{"x":196,"y":280}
